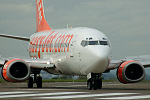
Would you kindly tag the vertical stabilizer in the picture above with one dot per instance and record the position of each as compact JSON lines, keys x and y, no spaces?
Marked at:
{"x":41,"y":23}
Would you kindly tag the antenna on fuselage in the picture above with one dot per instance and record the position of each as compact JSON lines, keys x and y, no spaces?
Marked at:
{"x":68,"y":26}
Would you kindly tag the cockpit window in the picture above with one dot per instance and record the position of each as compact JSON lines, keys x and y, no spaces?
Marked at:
{"x":86,"y":43}
{"x":103,"y":42}
{"x":93,"y":43}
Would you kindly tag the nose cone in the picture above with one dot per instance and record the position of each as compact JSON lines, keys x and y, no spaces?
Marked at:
{"x":100,"y":52}
{"x":99,"y":59}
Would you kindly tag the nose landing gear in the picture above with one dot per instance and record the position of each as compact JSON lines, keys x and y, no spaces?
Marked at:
{"x":94,"y":81}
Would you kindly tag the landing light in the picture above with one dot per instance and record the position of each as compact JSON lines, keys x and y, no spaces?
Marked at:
{"x":48,"y":62}
{"x":59,"y":59}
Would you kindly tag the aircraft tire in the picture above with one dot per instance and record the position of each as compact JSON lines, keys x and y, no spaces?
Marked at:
{"x":30,"y":82}
{"x":39,"y":82}
{"x":89,"y":84}
{"x":95,"y":85}
{"x":99,"y":83}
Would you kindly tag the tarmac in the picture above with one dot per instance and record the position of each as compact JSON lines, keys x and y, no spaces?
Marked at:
{"x":75,"y":91}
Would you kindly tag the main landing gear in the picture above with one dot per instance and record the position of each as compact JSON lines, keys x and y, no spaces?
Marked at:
{"x":35,"y":78}
{"x":94,"y":81}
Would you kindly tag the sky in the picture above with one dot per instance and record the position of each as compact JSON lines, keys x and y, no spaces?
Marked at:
{"x":125,"y":22}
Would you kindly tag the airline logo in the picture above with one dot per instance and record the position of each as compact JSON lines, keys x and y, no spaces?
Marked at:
{"x":42,"y":25}
{"x":40,"y":9}
{"x":51,"y":43}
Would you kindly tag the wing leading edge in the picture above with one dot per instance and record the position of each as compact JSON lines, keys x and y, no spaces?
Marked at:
{"x":15,"y":37}
{"x":130,"y":69}
{"x":33,"y":63}
{"x":143,"y":59}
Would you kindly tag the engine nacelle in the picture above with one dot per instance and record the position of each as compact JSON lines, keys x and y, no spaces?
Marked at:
{"x":130,"y":72}
{"x":16,"y":70}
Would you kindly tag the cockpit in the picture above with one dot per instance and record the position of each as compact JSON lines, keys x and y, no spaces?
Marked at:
{"x":85,"y":43}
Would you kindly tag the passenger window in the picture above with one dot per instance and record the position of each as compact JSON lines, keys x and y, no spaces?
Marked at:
{"x":66,"y":44}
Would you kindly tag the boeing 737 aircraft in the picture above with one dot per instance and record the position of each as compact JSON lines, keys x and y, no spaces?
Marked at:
{"x":71,"y":51}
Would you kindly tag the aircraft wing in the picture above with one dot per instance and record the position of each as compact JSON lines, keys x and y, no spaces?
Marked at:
{"x":40,"y":63}
{"x":144,"y":60}
{"x":19,"y":70}
{"x":15,"y":37}
{"x":114,"y":64}
{"x":2,"y":62}
{"x":33,"y":63}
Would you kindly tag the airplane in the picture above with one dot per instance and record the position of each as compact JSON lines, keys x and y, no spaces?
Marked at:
{"x":70,"y":51}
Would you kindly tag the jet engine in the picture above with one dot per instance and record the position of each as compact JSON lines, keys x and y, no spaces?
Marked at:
{"x":16,"y":70}
{"x":130,"y":72}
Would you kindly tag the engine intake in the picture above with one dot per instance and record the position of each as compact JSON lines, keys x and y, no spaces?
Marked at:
{"x":130,"y":72}
{"x":16,"y":70}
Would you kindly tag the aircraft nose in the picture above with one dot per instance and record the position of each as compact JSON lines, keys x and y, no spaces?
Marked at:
{"x":100,"y":53}
{"x":99,"y":59}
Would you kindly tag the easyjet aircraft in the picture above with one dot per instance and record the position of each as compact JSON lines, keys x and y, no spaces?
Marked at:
{"x":70,"y":51}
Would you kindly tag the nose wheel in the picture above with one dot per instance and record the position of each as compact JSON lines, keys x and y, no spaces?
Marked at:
{"x":94,"y":81}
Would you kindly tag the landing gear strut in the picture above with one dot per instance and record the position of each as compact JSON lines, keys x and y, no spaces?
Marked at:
{"x":94,"y":81}
{"x":35,"y":78}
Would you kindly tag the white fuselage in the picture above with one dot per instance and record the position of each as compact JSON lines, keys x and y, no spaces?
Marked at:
{"x":75,"y":51}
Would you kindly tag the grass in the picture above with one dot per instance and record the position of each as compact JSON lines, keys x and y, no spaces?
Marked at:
{"x":2,"y":80}
{"x":69,"y":80}
{"x":63,"y":80}
{"x":53,"y":80}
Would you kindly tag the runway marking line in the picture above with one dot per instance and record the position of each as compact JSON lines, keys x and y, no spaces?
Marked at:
{"x":70,"y":86}
{"x":127,"y":97}
{"x":14,"y":92}
{"x":38,"y":89}
{"x":39,"y":94}
{"x":84,"y":96}
{"x":69,"y":95}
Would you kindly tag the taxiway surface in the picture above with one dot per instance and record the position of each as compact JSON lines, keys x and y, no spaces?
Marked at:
{"x":75,"y":91}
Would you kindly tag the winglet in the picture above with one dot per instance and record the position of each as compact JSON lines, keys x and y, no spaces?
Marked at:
{"x":41,"y":23}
